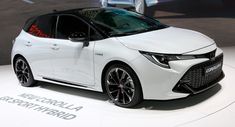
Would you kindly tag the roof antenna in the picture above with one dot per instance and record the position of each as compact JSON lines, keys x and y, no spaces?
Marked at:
{"x":55,"y":10}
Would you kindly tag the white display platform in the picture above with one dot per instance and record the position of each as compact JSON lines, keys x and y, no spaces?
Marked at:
{"x":92,"y":109}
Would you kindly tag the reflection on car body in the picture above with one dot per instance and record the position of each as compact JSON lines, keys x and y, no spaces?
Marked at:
{"x":129,"y":56}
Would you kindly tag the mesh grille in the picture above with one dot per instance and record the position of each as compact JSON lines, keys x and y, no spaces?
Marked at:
{"x":196,"y":77}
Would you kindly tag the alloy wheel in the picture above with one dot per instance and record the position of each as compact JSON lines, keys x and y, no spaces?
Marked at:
{"x":120,"y":86}
{"x":22,"y":71}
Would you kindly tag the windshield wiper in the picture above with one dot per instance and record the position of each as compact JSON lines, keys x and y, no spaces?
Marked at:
{"x":119,"y":34}
{"x":143,"y":30}
{"x":134,"y":32}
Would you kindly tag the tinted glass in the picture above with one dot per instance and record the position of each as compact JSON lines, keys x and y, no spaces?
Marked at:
{"x":69,"y":25}
{"x":116,"y":22}
{"x":94,"y":35}
{"x":28,"y":23}
{"x":43,"y":27}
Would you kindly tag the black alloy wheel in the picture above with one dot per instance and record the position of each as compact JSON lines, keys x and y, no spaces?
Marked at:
{"x":123,"y":86}
{"x":23,"y":72}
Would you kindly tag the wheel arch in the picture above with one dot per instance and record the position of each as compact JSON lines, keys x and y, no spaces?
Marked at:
{"x":31,"y":81}
{"x":15,"y":57}
{"x":109,"y":64}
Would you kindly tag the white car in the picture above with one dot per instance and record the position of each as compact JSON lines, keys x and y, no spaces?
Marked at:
{"x":140,"y":5}
{"x":127,"y":55}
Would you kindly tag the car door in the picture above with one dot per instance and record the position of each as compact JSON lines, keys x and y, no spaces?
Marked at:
{"x":72,"y":62}
{"x":39,"y":50}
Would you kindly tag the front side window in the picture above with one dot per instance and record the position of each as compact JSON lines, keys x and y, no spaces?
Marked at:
{"x":43,"y":27}
{"x":68,"y":25}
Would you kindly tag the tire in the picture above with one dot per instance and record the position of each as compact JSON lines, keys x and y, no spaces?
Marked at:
{"x":23,"y":72}
{"x":123,"y":86}
{"x":140,"y":6}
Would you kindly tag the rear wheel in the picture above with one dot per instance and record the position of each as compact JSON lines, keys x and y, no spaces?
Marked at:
{"x":23,"y":72}
{"x":123,"y":86}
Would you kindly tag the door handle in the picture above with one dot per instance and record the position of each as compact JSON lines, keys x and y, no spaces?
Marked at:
{"x":55,"y":47}
{"x":28,"y":44}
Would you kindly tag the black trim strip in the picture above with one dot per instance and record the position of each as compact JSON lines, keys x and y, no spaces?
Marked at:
{"x":64,"y":82}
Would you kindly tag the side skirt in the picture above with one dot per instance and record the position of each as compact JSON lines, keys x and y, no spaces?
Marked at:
{"x":69,"y":84}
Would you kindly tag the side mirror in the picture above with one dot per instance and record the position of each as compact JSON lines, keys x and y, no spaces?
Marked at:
{"x":79,"y":37}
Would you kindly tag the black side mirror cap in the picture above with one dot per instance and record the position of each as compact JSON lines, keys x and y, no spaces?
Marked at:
{"x":79,"y":37}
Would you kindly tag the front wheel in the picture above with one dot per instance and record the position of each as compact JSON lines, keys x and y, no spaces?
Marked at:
{"x":123,"y":86}
{"x":23,"y":72}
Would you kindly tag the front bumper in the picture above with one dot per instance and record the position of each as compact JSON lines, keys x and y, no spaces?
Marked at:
{"x":195,"y":80}
{"x":162,"y":84}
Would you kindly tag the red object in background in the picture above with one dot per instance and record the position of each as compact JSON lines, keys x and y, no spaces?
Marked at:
{"x":34,"y":30}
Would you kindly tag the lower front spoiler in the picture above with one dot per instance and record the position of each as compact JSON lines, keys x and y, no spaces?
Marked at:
{"x":185,"y":88}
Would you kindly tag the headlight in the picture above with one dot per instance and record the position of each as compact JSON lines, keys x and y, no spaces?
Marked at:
{"x":163,"y":59}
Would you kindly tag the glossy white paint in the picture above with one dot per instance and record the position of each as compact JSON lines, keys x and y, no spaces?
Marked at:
{"x":38,"y":53}
{"x":79,"y":67}
{"x":72,"y":62}
{"x":170,"y":41}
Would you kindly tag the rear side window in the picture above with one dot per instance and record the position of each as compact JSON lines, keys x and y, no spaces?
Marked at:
{"x":43,"y":26}
{"x":28,"y":23}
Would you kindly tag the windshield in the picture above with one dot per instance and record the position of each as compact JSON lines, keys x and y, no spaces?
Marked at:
{"x":119,"y":22}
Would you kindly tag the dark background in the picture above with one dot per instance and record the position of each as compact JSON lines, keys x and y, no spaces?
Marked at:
{"x":210,"y":17}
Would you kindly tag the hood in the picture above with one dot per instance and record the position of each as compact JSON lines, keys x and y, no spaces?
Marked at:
{"x":170,"y":40}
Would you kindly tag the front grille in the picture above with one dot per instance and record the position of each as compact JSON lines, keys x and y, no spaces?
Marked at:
{"x":196,"y":79}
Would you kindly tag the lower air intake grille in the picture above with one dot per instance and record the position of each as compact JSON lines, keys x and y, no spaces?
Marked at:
{"x":201,"y":76}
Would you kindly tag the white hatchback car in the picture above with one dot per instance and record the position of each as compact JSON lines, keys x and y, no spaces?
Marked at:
{"x":126,"y":54}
